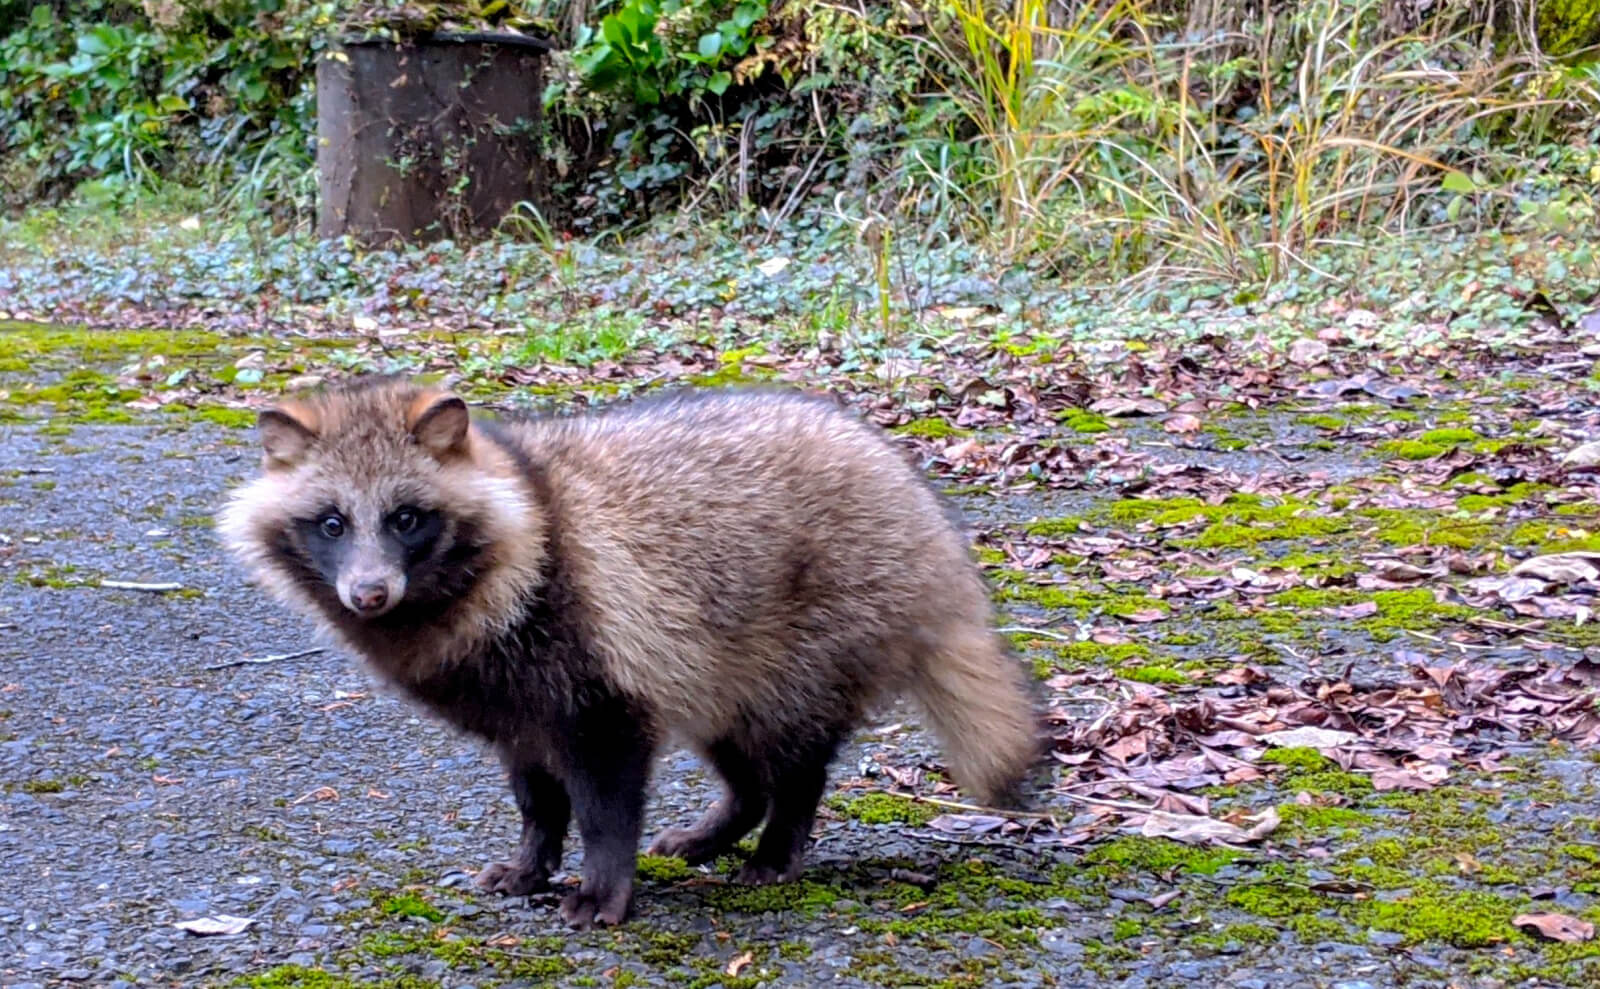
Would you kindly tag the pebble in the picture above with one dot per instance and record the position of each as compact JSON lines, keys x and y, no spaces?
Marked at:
{"x":1062,"y":944}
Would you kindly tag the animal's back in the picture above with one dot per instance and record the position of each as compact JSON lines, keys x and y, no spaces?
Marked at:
{"x":746,"y":560}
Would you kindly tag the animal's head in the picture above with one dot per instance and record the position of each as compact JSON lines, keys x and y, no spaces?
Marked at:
{"x":380,"y":502}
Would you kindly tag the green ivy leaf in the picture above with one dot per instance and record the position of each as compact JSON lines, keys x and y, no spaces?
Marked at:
{"x":719,"y":82}
{"x":1459,"y":182}
{"x":710,"y":43}
{"x":99,"y":40}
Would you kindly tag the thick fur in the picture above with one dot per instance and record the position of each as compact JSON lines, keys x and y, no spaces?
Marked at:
{"x":744,"y":572}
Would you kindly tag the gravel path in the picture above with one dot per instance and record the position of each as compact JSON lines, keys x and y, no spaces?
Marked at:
{"x":144,"y":787}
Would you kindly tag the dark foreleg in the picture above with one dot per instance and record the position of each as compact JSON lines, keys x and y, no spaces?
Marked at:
{"x":609,"y":767}
{"x":546,"y":812}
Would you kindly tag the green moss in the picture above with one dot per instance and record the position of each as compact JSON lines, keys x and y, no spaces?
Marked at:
{"x":1464,"y":918}
{"x":1082,"y":421}
{"x":302,"y":977}
{"x":661,"y":869}
{"x":1015,"y":586}
{"x":1402,"y":527}
{"x":803,"y":898}
{"x":1588,"y":854}
{"x":227,"y":417}
{"x":1281,"y":899}
{"x":1331,"y":423}
{"x":1450,"y":436}
{"x":1078,"y":655}
{"x":1330,"y":781}
{"x":1011,"y":928}
{"x":1155,"y":674}
{"x":1158,"y":512}
{"x":884,"y":808}
{"x":1240,"y":520}
{"x":931,"y":429}
{"x":1412,"y":449}
{"x":991,"y":557}
{"x":1236,"y":934}
{"x":407,"y":904}
{"x":1305,"y":818}
{"x":1054,"y":528}
{"x":1160,"y":856}
{"x":664,"y":949}
{"x":1388,"y":851}
{"x":43,"y":786}
{"x":1221,"y":535}
{"x":1298,"y":759}
{"x":1323,"y":564}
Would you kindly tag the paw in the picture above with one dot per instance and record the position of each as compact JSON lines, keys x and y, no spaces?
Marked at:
{"x":689,"y":844}
{"x":583,"y":909}
{"x":513,"y":878}
{"x":760,"y":874}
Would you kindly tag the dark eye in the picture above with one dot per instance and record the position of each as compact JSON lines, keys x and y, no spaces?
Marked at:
{"x":332,"y":526}
{"x":404,"y":521}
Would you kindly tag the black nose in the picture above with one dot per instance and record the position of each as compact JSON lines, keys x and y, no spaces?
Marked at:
{"x":369,"y":597}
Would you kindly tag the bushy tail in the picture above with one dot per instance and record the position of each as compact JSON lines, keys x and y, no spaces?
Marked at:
{"x":978,"y":699}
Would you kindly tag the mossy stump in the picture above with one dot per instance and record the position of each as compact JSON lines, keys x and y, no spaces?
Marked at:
{"x":427,"y":137}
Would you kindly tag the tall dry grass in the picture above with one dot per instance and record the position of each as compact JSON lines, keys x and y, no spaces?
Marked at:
{"x":1121,"y":132}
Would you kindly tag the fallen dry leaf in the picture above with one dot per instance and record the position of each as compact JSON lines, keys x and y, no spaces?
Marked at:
{"x":1555,"y":926}
{"x":209,"y":926}
{"x":1116,"y":407}
{"x":1310,"y":737}
{"x":967,"y":823}
{"x":1582,"y":456}
{"x":1197,"y":829}
{"x":1565,"y":568}
{"x":1307,"y":351}
{"x":1422,"y":778}
{"x":738,"y":964}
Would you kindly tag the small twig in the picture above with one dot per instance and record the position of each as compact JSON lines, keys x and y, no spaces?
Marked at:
{"x":258,"y":660}
{"x":1043,"y":632}
{"x":1507,"y":626}
{"x":975,"y":809}
{"x":1291,"y":652}
{"x":1461,"y":646}
{"x":138,"y":585}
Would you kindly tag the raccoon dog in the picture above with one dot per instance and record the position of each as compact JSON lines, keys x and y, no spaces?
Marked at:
{"x":744,"y":572}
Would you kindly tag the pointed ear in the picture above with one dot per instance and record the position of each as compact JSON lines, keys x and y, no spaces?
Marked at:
{"x":438,"y":423}
{"x":287,"y":432}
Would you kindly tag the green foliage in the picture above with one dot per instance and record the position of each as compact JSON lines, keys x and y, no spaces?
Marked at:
{"x":627,"y":52}
{"x":1099,"y":135}
{"x":122,"y":98}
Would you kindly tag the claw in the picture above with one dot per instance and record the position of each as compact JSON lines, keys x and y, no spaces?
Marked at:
{"x":513,"y":878}
{"x":583,"y":910}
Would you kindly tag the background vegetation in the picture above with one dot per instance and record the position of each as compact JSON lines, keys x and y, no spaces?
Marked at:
{"x":1228,"y":140}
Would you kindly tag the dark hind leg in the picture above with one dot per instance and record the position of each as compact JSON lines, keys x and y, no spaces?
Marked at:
{"x":546,"y":812}
{"x":797,"y":779}
{"x":741,"y":808}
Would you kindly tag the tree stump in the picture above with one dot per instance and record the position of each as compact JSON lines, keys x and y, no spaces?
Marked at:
{"x":428,"y":138}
